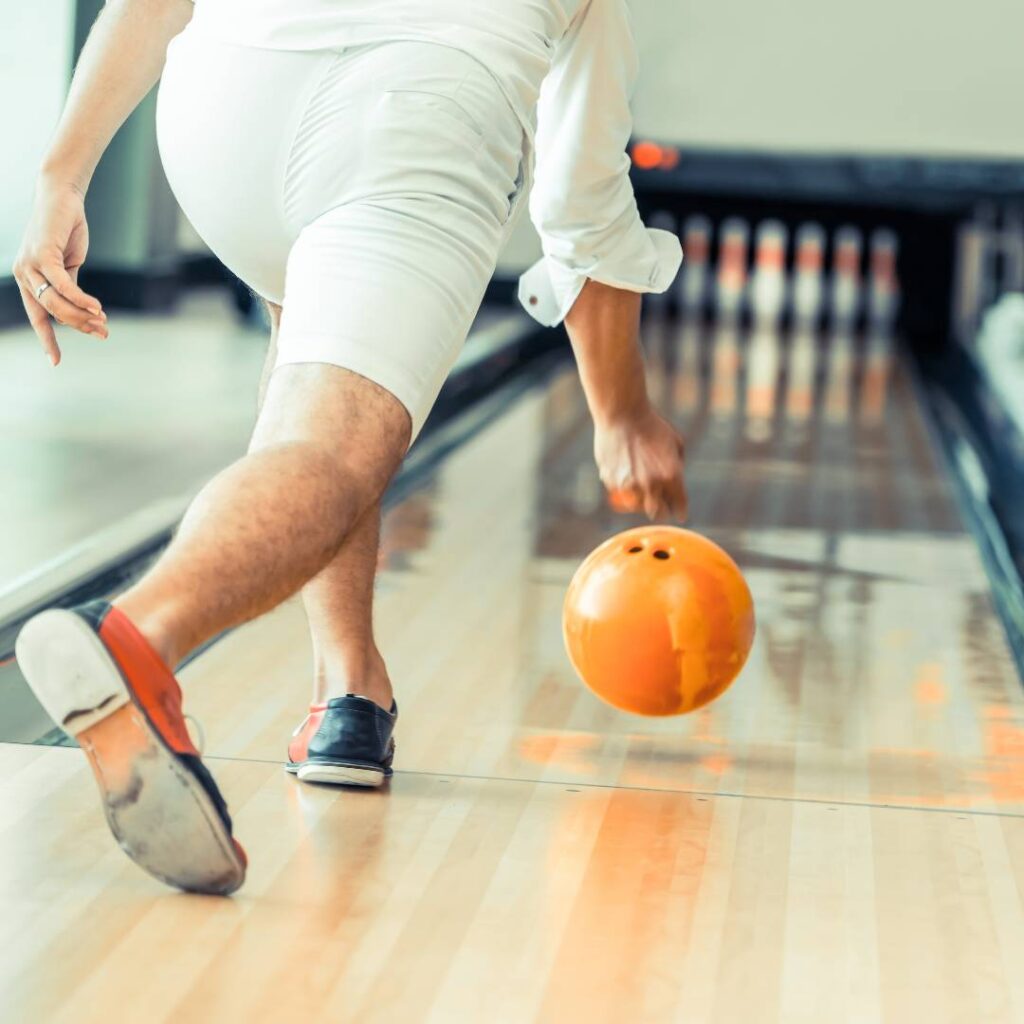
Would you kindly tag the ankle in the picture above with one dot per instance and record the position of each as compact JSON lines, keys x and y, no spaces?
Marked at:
{"x":367,"y":677}
{"x":155,"y":630}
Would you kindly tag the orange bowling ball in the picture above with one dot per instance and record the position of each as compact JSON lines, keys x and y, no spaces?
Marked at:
{"x":658,"y":620}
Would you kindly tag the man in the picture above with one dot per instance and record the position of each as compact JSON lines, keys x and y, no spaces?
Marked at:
{"x":359,"y":164}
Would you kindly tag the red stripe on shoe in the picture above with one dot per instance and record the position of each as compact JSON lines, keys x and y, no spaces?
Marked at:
{"x":151,"y":681}
{"x":298,"y":749}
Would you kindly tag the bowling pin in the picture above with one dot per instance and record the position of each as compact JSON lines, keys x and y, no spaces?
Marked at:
{"x":840,"y":376}
{"x":762,"y":378}
{"x":696,"y":261}
{"x":878,"y":361}
{"x":768,"y":287}
{"x":732,"y":268}
{"x":808,"y":276}
{"x":845,"y":285}
{"x":725,"y":366}
{"x":845,"y":304}
{"x":883,"y":286}
{"x":973,"y":278}
{"x":883,"y":305}
{"x":800,"y":378}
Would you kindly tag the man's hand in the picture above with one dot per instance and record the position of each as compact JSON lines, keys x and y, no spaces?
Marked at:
{"x":52,"y":249}
{"x":639,"y":455}
{"x":104,"y":90}
{"x":640,"y":461}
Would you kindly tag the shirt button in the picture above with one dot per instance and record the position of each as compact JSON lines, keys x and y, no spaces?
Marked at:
{"x":533,"y":300}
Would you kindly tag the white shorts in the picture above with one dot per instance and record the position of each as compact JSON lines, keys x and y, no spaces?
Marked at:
{"x":367,"y":190}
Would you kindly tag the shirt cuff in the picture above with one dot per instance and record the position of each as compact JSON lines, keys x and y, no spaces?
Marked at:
{"x":549,"y":288}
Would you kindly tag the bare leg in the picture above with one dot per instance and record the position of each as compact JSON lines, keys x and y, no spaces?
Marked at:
{"x":268,"y":524}
{"x":339,"y":601}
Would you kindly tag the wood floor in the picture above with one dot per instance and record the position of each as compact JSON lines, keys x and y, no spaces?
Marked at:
{"x":838,"y":838}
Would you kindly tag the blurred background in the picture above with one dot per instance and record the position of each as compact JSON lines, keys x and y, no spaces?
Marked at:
{"x":882,"y":141}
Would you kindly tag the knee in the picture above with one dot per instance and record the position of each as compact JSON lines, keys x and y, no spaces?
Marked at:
{"x":315,"y":461}
{"x":353,"y":477}
{"x":355,"y":469}
{"x":300,"y":484}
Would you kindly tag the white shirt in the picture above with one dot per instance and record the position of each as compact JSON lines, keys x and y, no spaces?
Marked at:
{"x":567,"y":67}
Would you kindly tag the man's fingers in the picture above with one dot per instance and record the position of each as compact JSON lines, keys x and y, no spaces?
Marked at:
{"x":48,"y":340}
{"x":60,"y":308}
{"x":654,"y":502}
{"x":40,"y":321}
{"x":676,"y":497}
{"x":655,"y":498}
{"x":67,"y":287}
{"x":666,"y":497}
{"x":65,"y":311}
{"x":623,"y":499}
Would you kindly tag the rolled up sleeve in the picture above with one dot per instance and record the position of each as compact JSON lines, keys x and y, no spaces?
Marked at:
{"x":582,"y":202}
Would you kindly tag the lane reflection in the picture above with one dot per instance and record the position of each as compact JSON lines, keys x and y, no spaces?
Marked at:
{"x":879,"y":674}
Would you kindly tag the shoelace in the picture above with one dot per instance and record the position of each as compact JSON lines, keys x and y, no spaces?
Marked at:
{"x":195,"y":723}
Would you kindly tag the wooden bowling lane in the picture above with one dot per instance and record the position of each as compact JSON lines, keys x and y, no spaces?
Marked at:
{"x":879,"y":674}
{"x":463,"y":899}
{"x":840,"y":837}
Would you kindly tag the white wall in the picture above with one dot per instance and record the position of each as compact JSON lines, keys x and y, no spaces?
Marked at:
{"x":36,"y":41}
{"x":935,"y":77}
{"x":941,"y":77}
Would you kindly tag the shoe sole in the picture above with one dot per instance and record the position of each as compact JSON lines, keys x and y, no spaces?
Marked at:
{"x":339,"y":774}
{"x":158,"y":811}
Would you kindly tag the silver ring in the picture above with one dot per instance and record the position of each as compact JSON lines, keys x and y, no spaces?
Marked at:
{"x":42,"y":288}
